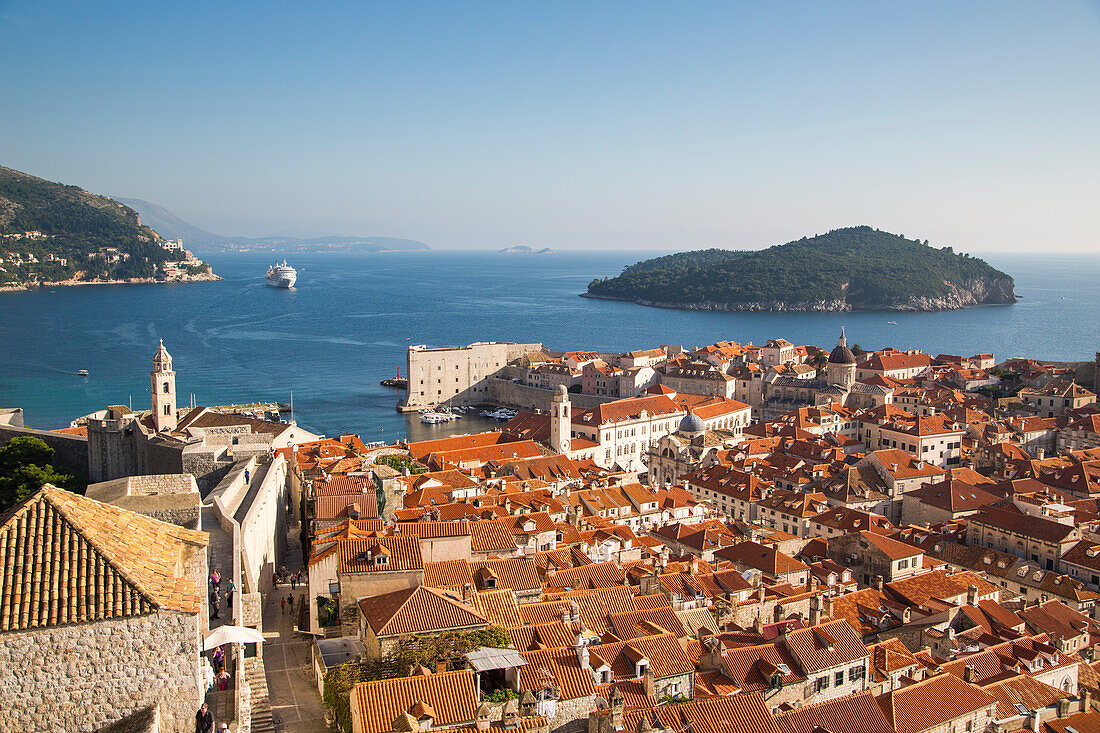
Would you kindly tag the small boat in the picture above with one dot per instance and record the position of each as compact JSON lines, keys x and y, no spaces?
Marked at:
{"x":891,"y":323}
{"x":82,"y":373}
{"x":433,"y":418}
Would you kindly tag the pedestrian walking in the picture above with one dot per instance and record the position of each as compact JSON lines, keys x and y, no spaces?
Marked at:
{"x":290,"y":602}
{"x":293,"y":581}
{"x":204,"y":720}
{"x":219,"y":660}
{"x":215,"y":578}
{"x":229,"y":595}
{"x":215,"y":606}
{"x":282,"y":601}
{"x":246,"y":475}
{"x":275,"y":579}
{"x":223,"y":679}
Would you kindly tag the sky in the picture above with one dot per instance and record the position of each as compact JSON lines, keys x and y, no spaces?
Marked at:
{"x":635,"y":125}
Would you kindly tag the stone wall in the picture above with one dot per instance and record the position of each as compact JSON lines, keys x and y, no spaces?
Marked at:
{"x":70,"y":451}
{"x":507,"y":393}
{"x":264,"y":527}
{"x":84,"y":676}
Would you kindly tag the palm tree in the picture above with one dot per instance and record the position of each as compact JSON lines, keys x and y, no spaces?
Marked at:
{"x":819,"y":360}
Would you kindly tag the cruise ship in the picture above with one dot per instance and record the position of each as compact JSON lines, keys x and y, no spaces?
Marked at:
{"x":281,"y":275}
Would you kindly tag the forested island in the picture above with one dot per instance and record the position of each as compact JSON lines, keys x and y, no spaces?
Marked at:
{"x":857,"y":268}
{"x":55,"y":234}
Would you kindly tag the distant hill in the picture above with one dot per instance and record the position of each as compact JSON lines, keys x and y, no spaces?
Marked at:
{"x":172,"y":227}
{"x":857,"y":268}
{"x":53,"y":232}
{"x":523,"y":249}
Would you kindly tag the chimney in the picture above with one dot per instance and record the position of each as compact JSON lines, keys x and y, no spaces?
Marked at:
{"x":582,"y":657}
{"x":970,"y":674}
{"x":483,"y":721}
{"x":1040,"y":453}
{"x":1086,"y":701}
{"x":1063,"y":708}
{"x":972,"y":595}
{"x":815,"y":610}
{"x":876,"y":582}
{"x":467,"y":593}
{"x":647,"y":683}
{"x":758,"y":625}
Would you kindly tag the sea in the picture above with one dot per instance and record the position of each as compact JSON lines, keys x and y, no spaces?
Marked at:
{"x":329,"y":341}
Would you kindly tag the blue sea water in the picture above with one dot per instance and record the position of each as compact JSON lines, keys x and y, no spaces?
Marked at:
{"x":348,"y":322}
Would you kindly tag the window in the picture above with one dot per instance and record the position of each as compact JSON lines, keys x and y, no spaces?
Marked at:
{"x":821,"y":684}
{"x":839,"y":678}
{"x":166,"y":388}
{"x":167,"y":409}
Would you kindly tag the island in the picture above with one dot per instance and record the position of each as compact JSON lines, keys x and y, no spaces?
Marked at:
{"x":523,"y":249}
{"x":53,"y":234}
{"x":856,"y":268}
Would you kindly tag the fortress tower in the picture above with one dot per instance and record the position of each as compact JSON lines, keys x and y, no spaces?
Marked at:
{"x":841,"y":367}
{"x":561,"y":422}
{"x":162,"y":385}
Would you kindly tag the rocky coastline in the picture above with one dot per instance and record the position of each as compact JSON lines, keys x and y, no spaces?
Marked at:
{"x":39,"y":285}
{"x":973,"y":293}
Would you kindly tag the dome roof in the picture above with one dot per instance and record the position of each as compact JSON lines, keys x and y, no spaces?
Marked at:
{"x":692,"y":423}
{"x":842,"y":355}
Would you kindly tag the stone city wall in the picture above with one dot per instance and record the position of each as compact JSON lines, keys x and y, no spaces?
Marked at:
{"x":70,"y":451}
{"x":263,"y":526}
{"x":83,"y":676}
{"x":507,"y":393}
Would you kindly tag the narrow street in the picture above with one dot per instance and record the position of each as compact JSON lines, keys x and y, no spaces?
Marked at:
{"x":292,"y":687}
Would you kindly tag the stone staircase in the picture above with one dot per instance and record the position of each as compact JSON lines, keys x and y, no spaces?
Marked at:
{"x":256,"y":676}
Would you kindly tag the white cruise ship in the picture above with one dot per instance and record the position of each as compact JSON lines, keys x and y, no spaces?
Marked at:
{"x":281,"y":275}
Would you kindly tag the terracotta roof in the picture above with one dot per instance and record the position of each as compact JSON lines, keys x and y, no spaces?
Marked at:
{"x":744,"y":713}
{"x":452,"y":697}
{"x":761,"y":557}
{"x":857,"y":713}
{"x":69,"y":559}
{"x":826,"y":645}
{"x":512,"y":573}
{"x":417,"y":610}
{"x":421,"y":449}
{"x":1088,"y":722}
{"x":499,"y":606}
{"x":404,"y":554}
{"x":1026,"y":691}
{"x":555,"y":667}
{"x":595,"y":575}
{"x":448,"y":574}
{"x":666,"y":656}
{"x":953,"y":495}
{"x":938,"y":584}
{"x":491,"y":535}
{"x":932,"y":702}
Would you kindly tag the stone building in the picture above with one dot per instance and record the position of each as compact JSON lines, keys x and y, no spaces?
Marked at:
{"x":456,"y":375}
{"x":100,"y":612}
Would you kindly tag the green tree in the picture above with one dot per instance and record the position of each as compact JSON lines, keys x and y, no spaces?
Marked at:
{"x":25,"y":468}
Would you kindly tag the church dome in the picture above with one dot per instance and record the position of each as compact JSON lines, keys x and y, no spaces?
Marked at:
{"x":842,"y":355}
{"x":692,"y":423}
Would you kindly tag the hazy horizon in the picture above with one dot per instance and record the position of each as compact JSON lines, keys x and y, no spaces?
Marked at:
{"x":648,"y":127}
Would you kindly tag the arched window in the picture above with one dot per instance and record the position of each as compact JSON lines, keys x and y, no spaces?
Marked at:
{"x":166,"y":388}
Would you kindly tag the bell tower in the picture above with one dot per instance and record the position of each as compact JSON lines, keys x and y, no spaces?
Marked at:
{"x":162,"y":385}
{"x":561,"y":423}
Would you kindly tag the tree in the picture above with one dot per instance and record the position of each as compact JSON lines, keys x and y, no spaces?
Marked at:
{"x":858,"y":350}
{"x":25,"y":468}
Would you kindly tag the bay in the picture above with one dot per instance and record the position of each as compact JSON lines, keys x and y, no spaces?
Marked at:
{"x":349,"y":321}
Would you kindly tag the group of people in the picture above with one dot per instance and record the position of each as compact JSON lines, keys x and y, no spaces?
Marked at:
{"x":215,"y":593}
{"x":282,"y":575}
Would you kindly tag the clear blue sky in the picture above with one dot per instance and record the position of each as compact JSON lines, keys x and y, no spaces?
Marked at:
{"x":630,"y":124}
